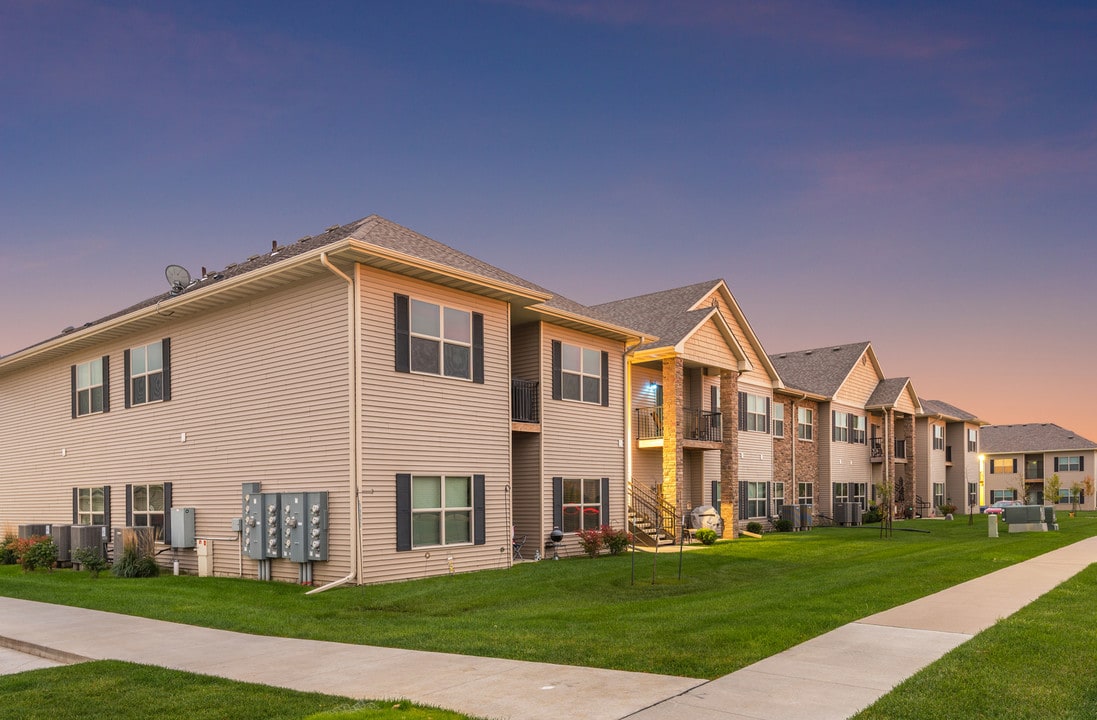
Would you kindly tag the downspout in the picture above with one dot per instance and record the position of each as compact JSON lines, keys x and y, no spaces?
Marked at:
{"x":628,"y":425}
{"x":355,"y":483}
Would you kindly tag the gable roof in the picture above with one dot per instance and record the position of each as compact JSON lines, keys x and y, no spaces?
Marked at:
{"x":949,"y":412}
{"x":668,"y":315}
{"x":888,"y":392}
{"x":372,"y":241}
{"x":820,"y":371}
{"x":1031,"y":437}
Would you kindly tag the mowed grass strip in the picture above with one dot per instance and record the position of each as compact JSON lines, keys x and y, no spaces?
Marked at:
{"x":736,"y":602}
{"x":1037,"y":664}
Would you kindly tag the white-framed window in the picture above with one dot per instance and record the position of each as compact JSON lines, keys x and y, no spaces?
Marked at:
{"x":580,"y":374}
{"x":89,"y":387}
{"x":778,"y":420}
{"x":147,"y":506}
{"x":972,"y":440}
{"x":840,"y":430}
{"x":756,"y":499}
{"x":441,"y":510}
{"x":805,"y":422}
{"x":756,"y":413}
{"x":858,"y":493}
{"x":1068,"y":463}
{"x":778,"y":498}
{"x":938,"y":437}
{"x":441,"y":340}
{"x":805,"y":493}
{"x":146,"y":373}
{"x":91,"y":505}
{"x":858,"y":429}
{"x":581,"y":508}
{"x":841,"y":492}
{"x":938,"y":494}
{"x":997,"y":495}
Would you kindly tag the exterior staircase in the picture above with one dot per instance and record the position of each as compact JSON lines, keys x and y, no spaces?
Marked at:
{"x":651,"y":519}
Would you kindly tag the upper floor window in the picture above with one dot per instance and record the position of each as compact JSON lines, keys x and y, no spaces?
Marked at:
{"x":840,"y":431}
{"x":857,"y":429}
{"x":437,"y":340}
{"x":1070,"y":463}
{"x":972,"y":440}
{"x":778,"y":420}
{"x":804,"y":423}
{"x":753,"y":412}
{"x":145,"y":373}
{"x":91,"y":387}
{"x":582,"y":374}
{"x":938,"y":437}
{"x":1003,"y":465}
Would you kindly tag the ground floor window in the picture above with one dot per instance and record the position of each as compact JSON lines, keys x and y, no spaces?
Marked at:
{"x":756,"y":499}
{"x":805,"y":493}
{"x":938,"y":494}
{"x":778,"y":498}
{"x":999,"y":495}
{"x":841,"y":492}
{"x":859,"y":494}
{"x":582,"y":504}
{"x":441,"y":510}
{"x":91,"y":506}
{"x":147,"y":506}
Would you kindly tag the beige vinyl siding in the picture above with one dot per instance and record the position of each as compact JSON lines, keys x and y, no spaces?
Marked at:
{"x":757,"y":375}
{"x":647,"y":464}
{"x":965,"y":465}
{"x":430,"y":425}
{"x":848,"y":462}
{"x":529,"y":513}
{"x":708,"y":346}
{"x":259,"y":388}
{"x":931,"y":463}
{"x":525,"y":353}
{"x":859,"y":384}
{"x":905,"y":401}
{"x":583,"y":440}
{"x":755,"y":448}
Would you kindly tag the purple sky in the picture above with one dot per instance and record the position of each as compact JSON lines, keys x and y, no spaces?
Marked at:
{"x":922,"y":177}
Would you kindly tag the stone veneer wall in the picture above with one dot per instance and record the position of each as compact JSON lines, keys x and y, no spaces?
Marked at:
{"x":729,"y":453}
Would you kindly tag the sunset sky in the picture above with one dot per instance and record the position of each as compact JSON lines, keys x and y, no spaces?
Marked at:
{"x":924,"y":177}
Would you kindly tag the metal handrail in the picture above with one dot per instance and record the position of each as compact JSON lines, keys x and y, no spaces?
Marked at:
{"x":650,"y":506}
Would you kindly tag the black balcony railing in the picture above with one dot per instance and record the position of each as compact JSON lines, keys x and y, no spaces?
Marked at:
{"x":523,"y":401}
{"x":877,"y":449}
{"x":696,"y":424}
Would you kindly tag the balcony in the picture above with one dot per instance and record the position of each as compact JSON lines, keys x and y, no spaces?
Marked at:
{"x":524,"y":409}
{"x":698,"y":426}
{"x":876,"y":450}
{"x":948,"y":455}
{"x":901,"y":450}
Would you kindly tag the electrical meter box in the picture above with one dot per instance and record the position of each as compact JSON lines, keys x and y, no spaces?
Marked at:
{"x":293,"y":526}
{"x":182,"y":527}
{"x":260,"y":523}
{"x":316,"y":526}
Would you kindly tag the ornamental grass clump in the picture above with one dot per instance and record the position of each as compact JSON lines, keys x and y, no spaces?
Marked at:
{"x":135,"y":560}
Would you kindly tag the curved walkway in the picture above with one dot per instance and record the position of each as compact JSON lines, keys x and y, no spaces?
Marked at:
{"x":829,"y":677}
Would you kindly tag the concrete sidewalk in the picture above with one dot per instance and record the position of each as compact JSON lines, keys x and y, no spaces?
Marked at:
{"x":831,"y":676}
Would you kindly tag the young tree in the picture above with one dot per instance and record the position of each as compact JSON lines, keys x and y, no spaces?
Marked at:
{"x":1051,"y":489}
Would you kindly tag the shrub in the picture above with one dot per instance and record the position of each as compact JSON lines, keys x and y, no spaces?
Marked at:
{"x":947,"y":509}
{"x":591,"y":541}
{"x":134,"y":561}
{"x":91,"y":560}
{"x":7,"y":549}
{"x":34,"y":552}
{"x":783,"y":525}
{"x":707,"y":536}
{"x":754,"y":527}
{"x":617,"y":541}
{"x":872,"y":515}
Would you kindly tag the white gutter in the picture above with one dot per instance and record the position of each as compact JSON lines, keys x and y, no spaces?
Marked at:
{"x":355,"y":484}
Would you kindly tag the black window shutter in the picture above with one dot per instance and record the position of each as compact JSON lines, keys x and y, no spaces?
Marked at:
{"x":72,"y":372}
{"x":1056,"y":464}
{"x":742,"y":411}
{"x":849,"y":432}
{"x":713,"y":399}
{"x":129,"y":506}
{"x":769,"y":497}
{"x":75,"y":504}
{"x":991,"y":466}
{"x":1081,"y":462}
{"x":106,"y":508}
{"x":106,"y":383}
{"x":743,"y":514}
{"x":479,"y":510}
{"x":167,"y":514}
{"x":557,"y":502}
{"x":605,"y":501}
{"x":556,"y":379}
{"x":1014,"y":464}
{"x":126,"y":375}
{"x":166,"y":351}
{"x":833,"y":424}
{"x":403,"y":512}
{"x":478,"y":348}
{"x":716,"y":495}
{"x":403,"y":344}
{"x":605,"y":379}
{"x":768,"y":420}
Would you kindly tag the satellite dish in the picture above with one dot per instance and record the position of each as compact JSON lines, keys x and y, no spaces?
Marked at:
{"x":178,"y":278}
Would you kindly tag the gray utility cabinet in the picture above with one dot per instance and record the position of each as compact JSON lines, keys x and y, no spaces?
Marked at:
{"x":290,"y":525}
{"x":792,"y":514}
{"x":182,"y":527}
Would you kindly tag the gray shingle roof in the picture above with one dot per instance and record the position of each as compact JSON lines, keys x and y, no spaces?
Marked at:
{"x":374,"y":230}
{"x":1031,"y":437}
{"x":665,"y":314}
{"x":819,"y":370}
{"x":938,"y":407}
{"x":887,"y":392}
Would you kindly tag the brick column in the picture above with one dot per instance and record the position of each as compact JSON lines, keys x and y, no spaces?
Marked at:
{"x":729,"y":452}
{"x":889,"y":460}
{"x":912,"y":459}
{"x":673,"y":456}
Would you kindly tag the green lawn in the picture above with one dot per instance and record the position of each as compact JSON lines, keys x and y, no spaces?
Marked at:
{"x":744,"y":600}
{"x":1037,"y":664}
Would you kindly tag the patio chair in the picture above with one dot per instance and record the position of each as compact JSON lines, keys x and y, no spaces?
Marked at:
{"x":516,"y":544}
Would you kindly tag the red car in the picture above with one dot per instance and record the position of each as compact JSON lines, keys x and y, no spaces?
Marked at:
{"x":998,"y":507}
